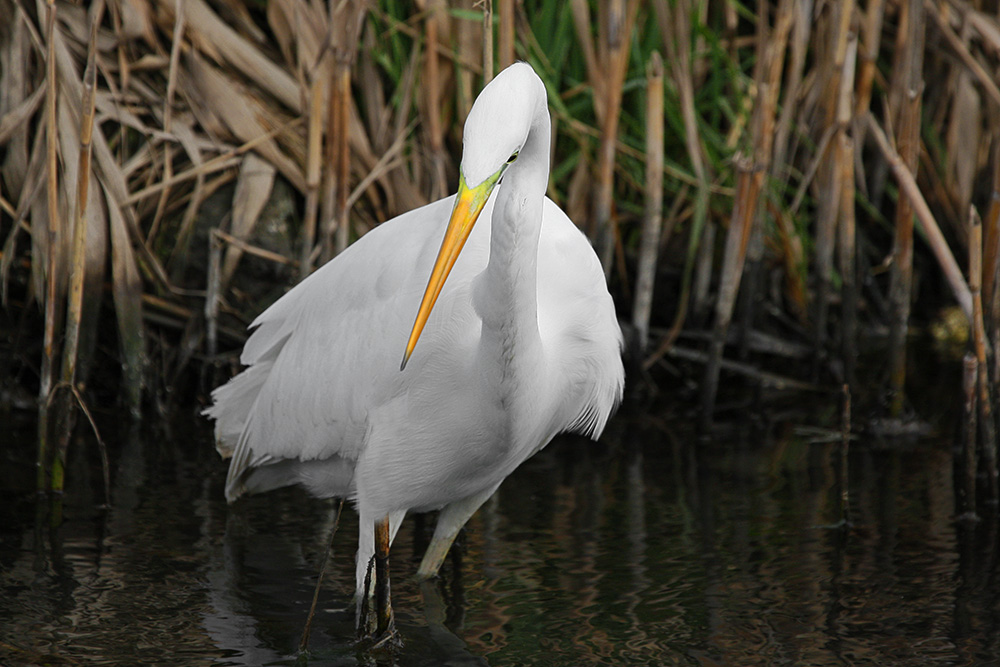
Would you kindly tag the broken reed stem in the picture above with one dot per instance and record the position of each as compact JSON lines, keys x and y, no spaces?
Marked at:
{"x":987,"y":427}
{"x":649,"y":244}
{"x":51,"y":168}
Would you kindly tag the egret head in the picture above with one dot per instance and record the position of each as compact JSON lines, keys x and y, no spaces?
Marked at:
{"x":496,"y":130}
{"x":500,"y":121}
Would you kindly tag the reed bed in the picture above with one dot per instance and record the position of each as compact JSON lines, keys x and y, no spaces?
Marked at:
{"x":801,"y":195}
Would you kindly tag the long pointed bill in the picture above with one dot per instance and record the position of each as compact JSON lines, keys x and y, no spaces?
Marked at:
{"x":469,"y":203}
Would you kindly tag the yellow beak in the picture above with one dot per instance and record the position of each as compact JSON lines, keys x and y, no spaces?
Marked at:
{"x":469,"y":203}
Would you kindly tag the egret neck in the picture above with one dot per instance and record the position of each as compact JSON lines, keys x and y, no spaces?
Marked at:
{"x":506,"y":291}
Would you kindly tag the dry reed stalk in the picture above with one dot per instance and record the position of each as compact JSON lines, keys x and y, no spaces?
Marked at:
{"x":314,"y":142}
{"x":908,"y":92}
{"x":176,"y":259}
{"x":78,"y":262}
{"x":434,"y":88}
{"x":935,"y":239}
{"x":213,"y":292}
{"x":794,"y":260}
{"x":831,"y":171}
{"x":987,"y":427}
{"x":983,"y":77}
{"x":846,"y":225}
{"x":868,"y":49}
{"x":487,"y":6}
{"x":506,"y":37}
{"x":44,"y":481}
{"x":750,"y":179}
{"x":964,"y":130}
{"x":967,"y":497}
{"x":606,"y":67}
{"x":701,"y":283}
{"x":243,"y":247}
{"x":991,"y":266}
{"x":649,"y":244}
{"x":737,"y":238}
{"x":799,"y":39}
{"x":406,"y":193}
{"x":675,"y":28}
{"x":390,"y":160}
{"x":340,"y":136}
{"x":168,"y":111}
{"x":469,"y":44}
{"x":772,"y":44}
{"x":346,"y":18}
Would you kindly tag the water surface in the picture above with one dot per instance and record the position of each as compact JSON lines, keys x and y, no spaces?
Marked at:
{"x":648,"y":548}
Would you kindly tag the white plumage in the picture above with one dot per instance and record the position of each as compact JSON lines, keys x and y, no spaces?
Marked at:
{"x":522,"y":343}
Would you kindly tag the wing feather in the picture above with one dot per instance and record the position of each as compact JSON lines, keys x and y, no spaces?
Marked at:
{"x":326,"y":350}
{"x":577,"y":322}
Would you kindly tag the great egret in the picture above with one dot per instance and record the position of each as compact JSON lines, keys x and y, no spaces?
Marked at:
{"x":522,"y":343}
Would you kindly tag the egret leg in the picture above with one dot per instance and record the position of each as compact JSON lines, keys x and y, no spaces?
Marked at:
{"x":449,"y":523}
{"x":367,"y":575}
{"x":383,"y":602}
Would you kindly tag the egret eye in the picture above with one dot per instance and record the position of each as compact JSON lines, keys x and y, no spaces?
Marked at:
{"x":513,"y":156}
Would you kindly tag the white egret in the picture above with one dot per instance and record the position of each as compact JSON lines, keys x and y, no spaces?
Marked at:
{"x":522,"y":343}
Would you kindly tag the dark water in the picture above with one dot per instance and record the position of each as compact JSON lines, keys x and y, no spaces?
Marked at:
{"x":649,"y":548}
